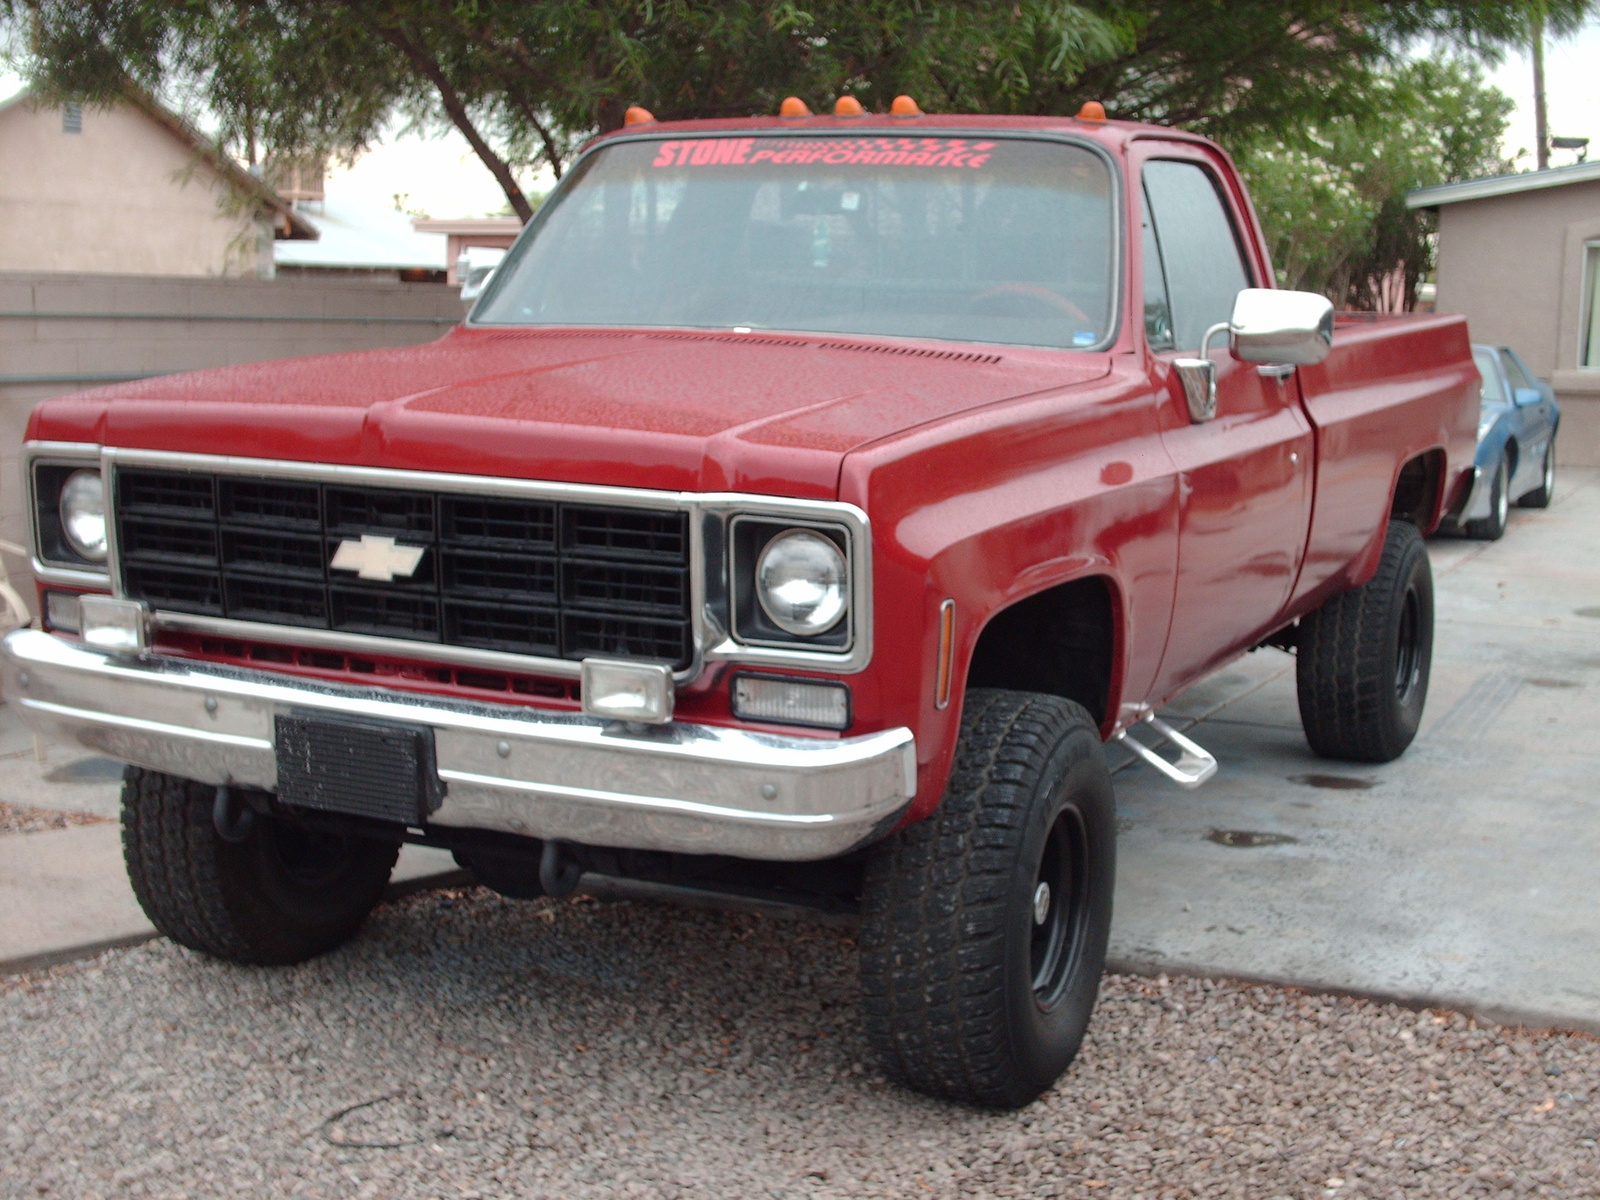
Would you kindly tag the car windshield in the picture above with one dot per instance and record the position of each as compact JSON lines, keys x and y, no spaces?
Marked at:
{"x":962,"y":239}
{"x":1490,"y":370}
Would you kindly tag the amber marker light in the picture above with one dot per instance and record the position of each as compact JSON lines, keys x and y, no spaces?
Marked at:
{"x":904,"y":106}
{"x":947,"y":649}
{"x":848,"y":106}
{"x":638,"y":116}
{"x":1092,"y":110}
{"x":793,"y":106}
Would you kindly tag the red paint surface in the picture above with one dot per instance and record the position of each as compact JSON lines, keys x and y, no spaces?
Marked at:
{"x":986,"y":481}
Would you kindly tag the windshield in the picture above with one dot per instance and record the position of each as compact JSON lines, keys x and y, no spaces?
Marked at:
{"x":951,"y":238}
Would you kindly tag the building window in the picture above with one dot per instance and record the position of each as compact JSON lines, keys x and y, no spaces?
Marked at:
{"x":72,"y":117}
{"x":1589,"y":356}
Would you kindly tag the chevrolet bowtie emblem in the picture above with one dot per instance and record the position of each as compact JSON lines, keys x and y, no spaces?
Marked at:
{"x":376,"y":557}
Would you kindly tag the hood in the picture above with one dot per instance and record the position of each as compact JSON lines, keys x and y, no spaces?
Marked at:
{"x":675,"y":410}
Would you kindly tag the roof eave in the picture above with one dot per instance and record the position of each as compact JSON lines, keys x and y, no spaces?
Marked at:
{"x":1503,"y":185}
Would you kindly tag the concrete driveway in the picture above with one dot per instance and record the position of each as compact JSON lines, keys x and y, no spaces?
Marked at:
{"x":1465,"y":874}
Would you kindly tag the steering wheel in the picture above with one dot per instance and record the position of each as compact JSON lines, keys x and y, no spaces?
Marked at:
{"x":1035,"y":293}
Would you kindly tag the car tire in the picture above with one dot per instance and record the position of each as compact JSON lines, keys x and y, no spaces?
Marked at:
{"x":1363,"y":657}
{"x":977,"y":985}
{"x":281,"y":894}
{"x":1541,"y":496}
{"x":1490,"y":528}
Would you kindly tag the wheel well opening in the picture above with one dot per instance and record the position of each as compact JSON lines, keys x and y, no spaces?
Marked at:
{"x":1058,"y":642}
{"x":1513,"y":456}
{"x":1416,"y":492}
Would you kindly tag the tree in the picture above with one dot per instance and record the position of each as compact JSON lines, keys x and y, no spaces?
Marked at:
{"x":1331,"y":198}
{"x":525,"y":81}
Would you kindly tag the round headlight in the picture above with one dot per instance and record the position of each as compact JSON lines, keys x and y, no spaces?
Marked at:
{"x":801,"y":583}
{"x":83,"y":514}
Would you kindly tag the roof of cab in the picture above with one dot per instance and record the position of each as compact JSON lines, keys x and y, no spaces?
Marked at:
{"x":1113,"y":134}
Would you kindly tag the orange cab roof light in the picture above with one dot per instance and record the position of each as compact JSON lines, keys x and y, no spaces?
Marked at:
{"x":637,"y":116}
{"x":1092,"y":110}
{"x":904,"y":106}
{"x":793,"y":106}
{"x":848,"y":106}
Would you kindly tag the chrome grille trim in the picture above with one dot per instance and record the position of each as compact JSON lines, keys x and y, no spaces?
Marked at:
{"x":709,"y":515}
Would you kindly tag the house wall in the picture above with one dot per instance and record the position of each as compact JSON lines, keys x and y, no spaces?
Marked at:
{"x":1513,"y":265}
{"x":66,"y":333}
{"x":122,"y":196}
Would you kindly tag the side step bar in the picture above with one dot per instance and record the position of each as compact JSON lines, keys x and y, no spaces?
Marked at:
{"x":1195,"y":764}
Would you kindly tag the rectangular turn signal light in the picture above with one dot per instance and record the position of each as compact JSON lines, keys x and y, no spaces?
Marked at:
{"x":791,"y":701}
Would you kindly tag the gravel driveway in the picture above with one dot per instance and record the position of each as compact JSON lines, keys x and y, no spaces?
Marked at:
{"x":471,"y":1046}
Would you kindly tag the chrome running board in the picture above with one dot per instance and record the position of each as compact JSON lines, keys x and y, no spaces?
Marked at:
{"x":1194,"y":765}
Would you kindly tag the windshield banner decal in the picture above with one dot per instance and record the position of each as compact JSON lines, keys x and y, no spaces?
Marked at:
{"x":856,"y":151}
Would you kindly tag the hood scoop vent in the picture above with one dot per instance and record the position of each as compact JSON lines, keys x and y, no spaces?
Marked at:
{"x":758,"y":339}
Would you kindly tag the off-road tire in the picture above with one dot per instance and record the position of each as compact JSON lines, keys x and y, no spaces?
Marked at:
{"x":950,"y":949}
{"x":1492,"y":527}
{"x":1362,"y":659}
{"x":1541,"y":496}
{"x":282,"y":895}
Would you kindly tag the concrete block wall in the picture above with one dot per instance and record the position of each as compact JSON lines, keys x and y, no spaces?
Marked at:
{"x":64,"y":333}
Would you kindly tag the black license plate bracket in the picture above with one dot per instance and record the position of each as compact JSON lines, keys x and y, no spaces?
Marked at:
{"x":357,"y":766}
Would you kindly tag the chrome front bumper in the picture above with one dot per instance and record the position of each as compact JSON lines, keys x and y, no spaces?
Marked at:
{"x":697,"y":789}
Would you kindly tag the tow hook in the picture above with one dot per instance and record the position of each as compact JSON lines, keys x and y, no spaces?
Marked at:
{"x":558,"y":870}
{"x":233,"y":818}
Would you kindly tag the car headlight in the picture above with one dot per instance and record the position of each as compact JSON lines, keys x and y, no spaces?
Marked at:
{"x":802,"y":583}
{"x":83,"y":514}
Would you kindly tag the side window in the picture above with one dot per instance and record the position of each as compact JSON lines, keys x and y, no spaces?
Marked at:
{"x":1157,"y":308}
{"x":1199,"y":250}
{"x":1491,"y":392}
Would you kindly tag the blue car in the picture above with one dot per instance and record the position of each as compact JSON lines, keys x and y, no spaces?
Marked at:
{"x":1516,"y":460}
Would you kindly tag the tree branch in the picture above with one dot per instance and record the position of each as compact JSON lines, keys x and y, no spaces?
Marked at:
{"x":457,"y":112}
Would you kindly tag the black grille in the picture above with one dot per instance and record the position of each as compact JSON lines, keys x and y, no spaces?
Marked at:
{"x":522,"y":576}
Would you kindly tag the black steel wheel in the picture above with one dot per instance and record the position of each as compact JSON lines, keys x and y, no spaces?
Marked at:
{"x":273,"y":893}
{"x":984,"y":926}
{"x":1363,"y":658}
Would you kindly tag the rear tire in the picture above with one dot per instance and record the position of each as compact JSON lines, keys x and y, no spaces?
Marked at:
{"x":1490,"y":528}
{"x":1541,"y":496}
{"x":1363,"y":658}
{"x":281,"y":895}
{"x":984,"y":926}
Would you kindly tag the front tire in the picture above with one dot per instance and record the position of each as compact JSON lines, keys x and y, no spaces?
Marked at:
{"x":984,"y":926}
{"x":1363,"y":658}
{"x":281,"y":895}
{"x":1493,"y":526}
{"x":1541,"y":496}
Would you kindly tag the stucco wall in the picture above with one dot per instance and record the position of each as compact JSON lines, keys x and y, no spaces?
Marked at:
{"x":123,"y":196}
{"x":1514,"y":266}
{"x":65,"y":333}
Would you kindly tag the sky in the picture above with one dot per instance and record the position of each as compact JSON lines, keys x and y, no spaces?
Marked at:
{"x":440,"y":176}
{"x":1572,"y":95}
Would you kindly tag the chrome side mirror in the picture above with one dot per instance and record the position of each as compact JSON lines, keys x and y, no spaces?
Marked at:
{"x":1280,"y":328}
{"x":1269,"y":326}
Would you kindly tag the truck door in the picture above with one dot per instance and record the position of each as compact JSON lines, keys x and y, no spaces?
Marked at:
{"x":1244,"y":478}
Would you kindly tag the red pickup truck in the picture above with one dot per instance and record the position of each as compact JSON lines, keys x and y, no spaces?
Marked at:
{"x":802,"y":506}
